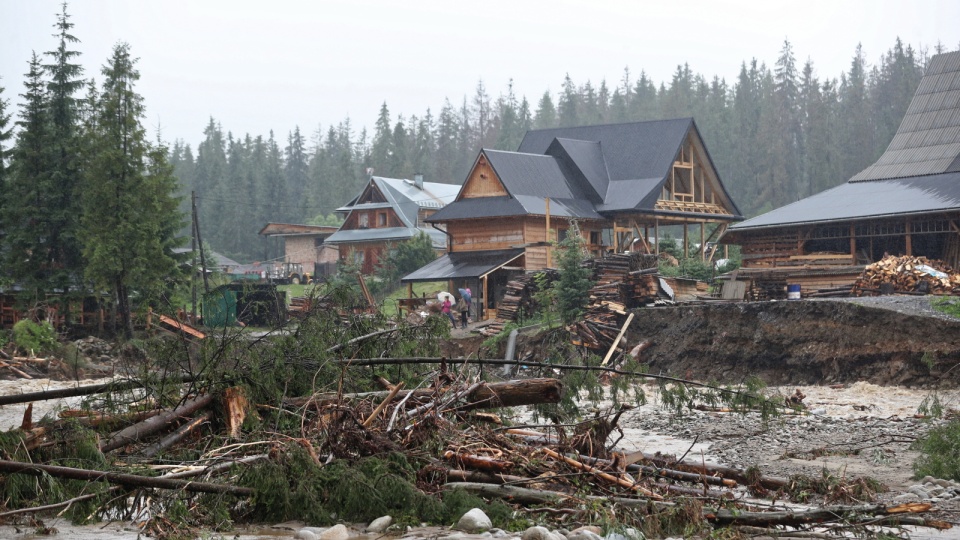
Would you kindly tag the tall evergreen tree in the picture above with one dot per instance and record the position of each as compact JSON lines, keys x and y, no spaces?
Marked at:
{"x":382,"y":142}
{"x":130,"y":217}
{"x":546,"y":116}
{"x":569,"y":104}
{"x":28,"y":256}
{"x":295,"y":169}
{"x":64,"y":81}
{"x":5,"y":135}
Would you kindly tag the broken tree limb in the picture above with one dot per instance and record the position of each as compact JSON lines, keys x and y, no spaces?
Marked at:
{"x":606,"y":476}
{"x":482,"y":463}
{"x":561,"y":367}
{"x":616,"y":342}
{"x":121,"y":478}
{"x":794,"y":518}
{"x":177,"y":435}
{"x":155,"y":424}
{"x":523,"y":495}
{"x":78,"y":391}
{"x":500,"y":394}
{"x":386,"y":401}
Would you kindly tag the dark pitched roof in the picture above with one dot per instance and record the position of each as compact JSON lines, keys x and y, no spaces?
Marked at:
{"x":461,"y":265}
{"x":928,"y":139}
{"x":860,"y":200}
{"x":531,"y":174}
{"x":632,"y":151}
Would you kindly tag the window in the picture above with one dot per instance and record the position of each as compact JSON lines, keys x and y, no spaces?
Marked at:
{"x":358,"y":257}
{"x":595,"y":238}
{"x":363,"y":221}
{"x":381,"y":219}
{"x":561,"y":235}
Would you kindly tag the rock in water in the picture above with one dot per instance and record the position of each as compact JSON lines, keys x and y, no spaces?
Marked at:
{"x":474,"y":521}
{"x":380,"y":524}
{"x":337,"y":532}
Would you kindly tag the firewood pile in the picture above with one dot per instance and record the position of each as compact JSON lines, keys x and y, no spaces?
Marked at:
{"x":908,"y":274}
{"x":517,"y":300}
{"x":764,"y":289}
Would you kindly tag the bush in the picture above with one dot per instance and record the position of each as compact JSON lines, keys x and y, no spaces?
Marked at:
{"x":939,"y":452}
{"x":33,"y":337}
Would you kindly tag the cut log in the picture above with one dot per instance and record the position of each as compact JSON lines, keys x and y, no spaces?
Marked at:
{"x":501,"y":394}
{"x":155,"y":424}
{"x":178,"y":435}
{"x":121,"y":478}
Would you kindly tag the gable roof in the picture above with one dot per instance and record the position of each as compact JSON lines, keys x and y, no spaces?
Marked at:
{"x":928,"y":139}
{"x":406,"y":198}
{"x":918,"y":174}
{"x":587,"y":170}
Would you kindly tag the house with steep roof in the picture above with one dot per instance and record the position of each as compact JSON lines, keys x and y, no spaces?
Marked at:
{"x":906,"y":203}
{"x":305,"y":246}
{"x":388,"y":211}
{"x":619,"y":182}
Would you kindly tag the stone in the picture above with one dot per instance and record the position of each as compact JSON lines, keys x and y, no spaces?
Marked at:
{"x":583,"y":535}
{"x":380,"y":524}
{"x":942,"y":483}
{"x":591,"y":528}
{"x":337,"y":532}
{"x":927,"y":479}
{"x":539,"y":533}
{"x":906,"y":498}
{"x":474,"y":521}
{"x":498,"y":533}
{"x":305,"y":534}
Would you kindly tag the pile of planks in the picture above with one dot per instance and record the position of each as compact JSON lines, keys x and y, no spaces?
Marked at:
{"x":908,"y":274}
{"x":761,"y":289}
{"x":517,"y":300}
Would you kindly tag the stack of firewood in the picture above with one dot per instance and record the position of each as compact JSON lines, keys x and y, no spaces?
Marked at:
{"x":909,"y":274}
{"x":761,"y":290}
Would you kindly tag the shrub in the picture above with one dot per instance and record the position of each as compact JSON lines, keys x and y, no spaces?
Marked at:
{"x":939,"y":452}
{"x":33,"y":337}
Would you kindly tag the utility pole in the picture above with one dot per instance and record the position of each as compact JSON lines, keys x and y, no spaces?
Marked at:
{"x":193,"y":250}
{"x":196,"y":232}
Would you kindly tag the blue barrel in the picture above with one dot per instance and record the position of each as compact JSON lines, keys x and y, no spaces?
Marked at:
{"x":793,"y":291}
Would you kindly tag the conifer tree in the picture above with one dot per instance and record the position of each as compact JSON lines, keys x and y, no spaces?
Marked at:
{"x":130,"y":216}
{"x":64,"y":215}
{"x":546,"y":116}
{"x":28,"y":256}
{"x":5,"y":135}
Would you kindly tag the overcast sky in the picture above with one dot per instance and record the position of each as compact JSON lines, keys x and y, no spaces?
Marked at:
{"x":256,"y":66}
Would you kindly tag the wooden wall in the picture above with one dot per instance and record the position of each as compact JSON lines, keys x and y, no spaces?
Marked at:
{"x":482,"y":182}
{"x":486,"y":234}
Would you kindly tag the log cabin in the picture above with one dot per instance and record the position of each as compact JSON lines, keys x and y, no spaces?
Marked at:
{"x":618,"y":182}
{"x":906,"y":203}
{"x":388,"y":211}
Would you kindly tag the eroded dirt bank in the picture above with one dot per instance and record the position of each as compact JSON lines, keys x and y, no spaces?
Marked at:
{"x":804,"y":342}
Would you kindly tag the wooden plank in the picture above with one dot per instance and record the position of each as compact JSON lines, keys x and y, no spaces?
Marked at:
{"x":616,"y":342}
{"x":183,"y":327}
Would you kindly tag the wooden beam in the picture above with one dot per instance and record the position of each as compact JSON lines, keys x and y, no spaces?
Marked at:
{"x":853,"y":244}
{"x":909,"y":239}
{"x":656,"y":232}
{"x":616,"y":342}
{"x":546,"y":236}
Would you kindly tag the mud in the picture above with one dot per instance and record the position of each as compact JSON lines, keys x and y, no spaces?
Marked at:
{"x":804,"y":342}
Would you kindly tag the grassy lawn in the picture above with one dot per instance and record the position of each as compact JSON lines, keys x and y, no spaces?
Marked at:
{"x":297,"y":290}
{"x":419,"y":289}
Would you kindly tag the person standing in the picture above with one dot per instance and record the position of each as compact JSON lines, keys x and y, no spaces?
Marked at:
{"x":464,"y":308}
{"x":445,"y":308}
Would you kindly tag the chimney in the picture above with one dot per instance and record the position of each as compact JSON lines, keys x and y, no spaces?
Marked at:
{"x":418,"y":181}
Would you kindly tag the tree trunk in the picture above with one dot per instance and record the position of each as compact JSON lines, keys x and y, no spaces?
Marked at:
{"x":120,"y":478}
{"x":501,"y":394}
{"x":155,"y":424}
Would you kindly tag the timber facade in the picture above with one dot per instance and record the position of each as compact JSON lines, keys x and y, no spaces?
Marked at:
{"x":619,"y":183}
{"x":389,"y":211}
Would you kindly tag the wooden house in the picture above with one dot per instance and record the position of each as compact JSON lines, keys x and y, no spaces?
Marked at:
{"x":906,"y":203}
{"x":306,"y":245}
{"x":386,"y":212}
{"x":619,"y":182}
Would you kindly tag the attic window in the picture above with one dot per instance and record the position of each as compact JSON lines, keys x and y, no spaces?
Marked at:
{"x":381,"y":219}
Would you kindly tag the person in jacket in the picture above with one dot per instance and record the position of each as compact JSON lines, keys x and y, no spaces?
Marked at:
{"x":445,"y":308}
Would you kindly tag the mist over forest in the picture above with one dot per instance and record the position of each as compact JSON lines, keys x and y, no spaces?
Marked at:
{"x":778,"y":132}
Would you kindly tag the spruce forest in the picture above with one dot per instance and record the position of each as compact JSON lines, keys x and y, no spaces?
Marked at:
{"x":777,"y":133}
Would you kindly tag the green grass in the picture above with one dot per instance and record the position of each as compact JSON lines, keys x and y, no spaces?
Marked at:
{"x":950,"y":306}
{"x":419,"y":289}
{"x":297,"y":290}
